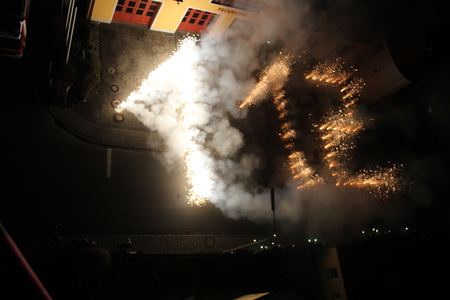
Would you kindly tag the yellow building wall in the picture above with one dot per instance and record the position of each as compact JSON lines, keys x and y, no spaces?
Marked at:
{"x":103,"y":10}
{"x":171,"y":14}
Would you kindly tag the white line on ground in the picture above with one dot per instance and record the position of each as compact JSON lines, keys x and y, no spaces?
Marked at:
{"x":108,"y":163}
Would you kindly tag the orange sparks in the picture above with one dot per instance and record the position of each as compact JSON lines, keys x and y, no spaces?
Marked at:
{"x":274,"y":77}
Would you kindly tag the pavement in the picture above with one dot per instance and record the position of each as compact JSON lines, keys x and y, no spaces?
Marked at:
{"x":128,"y":53}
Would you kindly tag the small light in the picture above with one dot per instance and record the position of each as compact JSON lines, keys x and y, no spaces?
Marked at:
{"x":309,"y":240}
{"x":275,"y":235}
{"x":406,"y":228}
{"x":268,"y":42}
{"x":254,"y":240}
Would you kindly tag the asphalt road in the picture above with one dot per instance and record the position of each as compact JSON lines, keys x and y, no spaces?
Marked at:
{"x":50,"y":174}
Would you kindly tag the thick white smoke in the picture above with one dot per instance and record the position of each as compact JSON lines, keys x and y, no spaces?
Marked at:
{"x":191,"y":101}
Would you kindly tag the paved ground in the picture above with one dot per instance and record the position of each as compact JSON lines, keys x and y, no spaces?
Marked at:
{"x":128,"y":54}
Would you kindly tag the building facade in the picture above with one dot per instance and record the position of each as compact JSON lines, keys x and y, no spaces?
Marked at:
{"x":252,"y":20}
{"x":200,"y":16}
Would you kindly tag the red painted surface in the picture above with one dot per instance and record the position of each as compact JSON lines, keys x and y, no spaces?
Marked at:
{"x":136,"y":11}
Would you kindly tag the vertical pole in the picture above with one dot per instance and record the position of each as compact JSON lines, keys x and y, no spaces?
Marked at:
{"x":272,"y":200}
{"x":26,"y":273}
{"x":108,"y":162}
{"x":71,"y":33}
{"x":69,"y":16}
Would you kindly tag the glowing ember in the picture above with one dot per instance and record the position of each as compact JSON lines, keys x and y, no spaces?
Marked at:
{"x":273,"y":77}
{"x":340,"y":129}
{"x":381,"y":182}
{"x":337,"y":132}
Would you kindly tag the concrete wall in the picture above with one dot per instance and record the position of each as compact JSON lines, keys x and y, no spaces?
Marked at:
{"x":332,"y":286}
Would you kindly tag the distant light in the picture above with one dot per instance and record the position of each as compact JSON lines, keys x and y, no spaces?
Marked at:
{"x":268,"y":42}
{"x":363,"y":232}
{"x":254,"y":240}
{"x":275,"y":235}
{"x":315,"y":240}
{"x":406,"y":228}
{"x":309,"y":240}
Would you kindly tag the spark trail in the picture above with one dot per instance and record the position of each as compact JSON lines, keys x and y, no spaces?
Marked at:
{"x":337,"y":131}
{"x":340,"y":128}
{"x":272,"y":81}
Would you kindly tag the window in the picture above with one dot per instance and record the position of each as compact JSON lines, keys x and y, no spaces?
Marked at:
{"x":332,"y":274}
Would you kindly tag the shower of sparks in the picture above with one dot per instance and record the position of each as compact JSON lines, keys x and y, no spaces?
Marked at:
{"x":177,"y":79}
{"x":274,"y":77}
{"x":340,"y":129}
{"x":337,"y":134}
{"x":381,"y":183}
{"x":273,"y":80}
{"x":336,"y":73}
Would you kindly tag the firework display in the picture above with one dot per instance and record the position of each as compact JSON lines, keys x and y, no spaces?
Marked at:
{"x":177,"y":78}
{"x":340,"y":128}
{"x":337,"y":131}
{"x":275,"y":77}
{"x":172,"y":94}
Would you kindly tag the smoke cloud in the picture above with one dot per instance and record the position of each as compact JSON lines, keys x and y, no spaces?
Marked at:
{"x":222,"y":77}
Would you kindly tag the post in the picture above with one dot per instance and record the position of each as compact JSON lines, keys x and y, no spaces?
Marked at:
{"x":71,"y":33}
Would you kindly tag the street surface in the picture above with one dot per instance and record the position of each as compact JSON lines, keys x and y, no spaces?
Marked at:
{"x":52,"y":175}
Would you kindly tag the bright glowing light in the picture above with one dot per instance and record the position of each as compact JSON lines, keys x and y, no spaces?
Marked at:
{"x":337,"y":132}
{"x":341,"y":127}
{"x":275,"y":75}
{"x":177,"y":78}
{"x":380,"y":182}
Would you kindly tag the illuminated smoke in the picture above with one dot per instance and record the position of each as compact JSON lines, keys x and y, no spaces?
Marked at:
{"x":274,"y":77}
{"x":381,"y":182}
{"x":188,"y":100}
{"x":168,"y":101}
{"x":340,"y":128}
